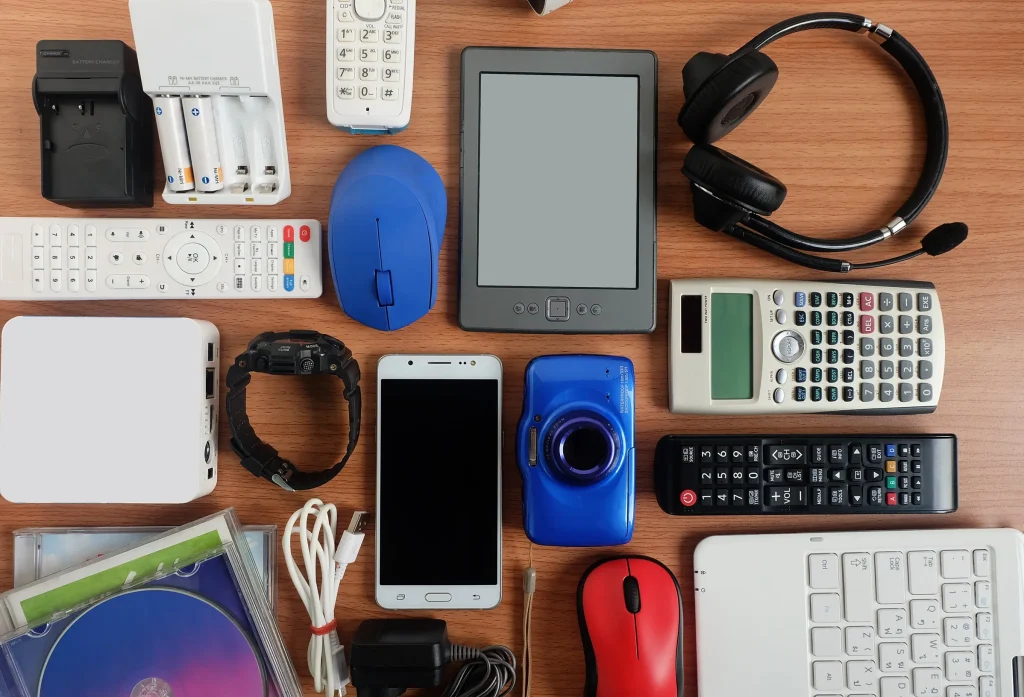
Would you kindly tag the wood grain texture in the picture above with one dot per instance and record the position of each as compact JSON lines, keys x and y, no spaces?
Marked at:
{"x":842,"y":129}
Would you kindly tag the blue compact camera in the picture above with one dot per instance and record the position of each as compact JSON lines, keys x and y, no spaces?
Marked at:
{"x":574,"y":447}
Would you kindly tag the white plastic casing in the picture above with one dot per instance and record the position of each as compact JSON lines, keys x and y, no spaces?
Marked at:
{"x":108,"y":409}
{"x":216,"y":47}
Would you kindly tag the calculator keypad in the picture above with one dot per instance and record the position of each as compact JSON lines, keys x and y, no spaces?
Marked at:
{"x":370,"y":41}
{"x":888,"y":340}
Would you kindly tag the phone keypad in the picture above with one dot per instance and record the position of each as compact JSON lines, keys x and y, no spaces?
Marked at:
{"x":369,"y":55}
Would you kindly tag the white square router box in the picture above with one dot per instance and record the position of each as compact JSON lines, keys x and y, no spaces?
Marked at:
{"x":108,"y":409}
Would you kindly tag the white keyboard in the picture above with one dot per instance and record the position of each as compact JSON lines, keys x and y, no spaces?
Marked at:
{"x":894,"y":613}
{"x":121,"y":258}
{"x":900,"y":623}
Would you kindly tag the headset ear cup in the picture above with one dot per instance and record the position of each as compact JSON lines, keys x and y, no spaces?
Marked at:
{"x":732,"y":181}
{"x":722,"y":101}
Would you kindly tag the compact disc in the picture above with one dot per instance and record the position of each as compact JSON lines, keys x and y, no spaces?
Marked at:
{"x":153,"y":642}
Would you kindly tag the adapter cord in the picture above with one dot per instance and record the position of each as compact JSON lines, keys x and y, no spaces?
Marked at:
{"x":487,"y":672}
{"x":317,"y":535}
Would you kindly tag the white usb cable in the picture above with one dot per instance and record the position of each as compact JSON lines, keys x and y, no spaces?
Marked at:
{"x":326,"y":655}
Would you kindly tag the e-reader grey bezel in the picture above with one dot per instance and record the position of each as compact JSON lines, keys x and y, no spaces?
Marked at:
{"x":525,"y":309}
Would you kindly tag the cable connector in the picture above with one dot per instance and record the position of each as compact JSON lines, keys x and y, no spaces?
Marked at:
{"x":352,"y":539}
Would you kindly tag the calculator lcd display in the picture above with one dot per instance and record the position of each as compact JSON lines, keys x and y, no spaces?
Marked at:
{"x":558,"y":201}
{"x":732,"y":346}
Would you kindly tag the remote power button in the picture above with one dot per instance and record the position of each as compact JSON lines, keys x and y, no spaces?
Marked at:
{"x":688,"y":497}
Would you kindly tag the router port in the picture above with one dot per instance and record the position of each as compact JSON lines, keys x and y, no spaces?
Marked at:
{"x":210,"y":382}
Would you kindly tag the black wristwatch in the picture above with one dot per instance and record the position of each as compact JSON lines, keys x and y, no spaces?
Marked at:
{"x":298,"y":352}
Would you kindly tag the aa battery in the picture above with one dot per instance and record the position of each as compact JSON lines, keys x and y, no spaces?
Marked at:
{"x":202,"y":143}
{"x":170,"y":127}
{"x":231,"y":135}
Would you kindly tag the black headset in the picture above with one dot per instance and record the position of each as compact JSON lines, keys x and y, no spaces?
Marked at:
{"x":733,"y":196}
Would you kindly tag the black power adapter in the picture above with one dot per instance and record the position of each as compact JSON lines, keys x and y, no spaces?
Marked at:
{"x":389,"y":656}
{"x":95,"y":124}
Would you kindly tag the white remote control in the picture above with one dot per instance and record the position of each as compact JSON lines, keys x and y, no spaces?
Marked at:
{"x":369,"y":64}
{"x":744,"y":346}
{"x":126,"y":258}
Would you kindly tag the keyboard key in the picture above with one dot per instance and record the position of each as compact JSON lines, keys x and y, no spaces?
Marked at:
{"x":924,"y":614}
{"x":958,"y":631}
{"x":815,"y":299}
{"x":800,"y":298}
{"x":906,"y":324}
{"x":890,"y":578}
{"x":825,"y":608}
{"x":849,"y":320}
{"x":924,"y":391}
{"x":861,"y":675}
{"x":986,"y":686}
{"x":925,"y":648}
{"x":924,"y":347}
{"x":925,"y":370}
{"x":986,"y":658}
{"x":924,"y":324}
{"x":832,"y":318}
{"x":893,"y":657}
{"x":895,"y":687}
{"x":892,"y":623}
{"x":867,"y":346}
{"x":828,"y":675}
{"x":906,"y":392}
{"x":906,"y":347}
{"x":955,"y":563}
{"x":956,"y":597}
{"x":849,"y":338}
{"x":982,"y":594}
{"x":860,"y":641}
{"x":886,"y":324}
{"x":922,"y":568}
{"x":924,"y":302}
{"x":981,"y":563}
{"x":927,"y":681}
{"x":832,"y":299}
{"x":983,"y":622}
{"x":960,"y":666}
{"x":886,"y":347}
{"x":826,"y":642}
{"x":906,"y":302}
{"x":832,"y":337}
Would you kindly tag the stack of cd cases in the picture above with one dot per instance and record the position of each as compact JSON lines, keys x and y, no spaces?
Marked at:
{"x":182,"y":613}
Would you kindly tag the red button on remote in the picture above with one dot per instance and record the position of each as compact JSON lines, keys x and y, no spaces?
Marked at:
{"x":867,"y":302}
{"x":867,"y":324}
{"x":304,"y":233}
{"x":890,"y":498}
{"x":289,"y":233}
{"x":688,"y":497}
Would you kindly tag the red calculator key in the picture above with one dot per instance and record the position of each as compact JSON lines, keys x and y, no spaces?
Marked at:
{"x":867,"y":302}
{"x":289,"y":233}
{"x":890,"y":498}
{"x":304,"y":233}
{"x":867,"y":324}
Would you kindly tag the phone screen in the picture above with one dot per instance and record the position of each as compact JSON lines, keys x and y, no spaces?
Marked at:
{"x":439,"y":472}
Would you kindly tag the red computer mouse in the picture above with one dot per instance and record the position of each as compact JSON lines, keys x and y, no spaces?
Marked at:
{"x":631,"y":620}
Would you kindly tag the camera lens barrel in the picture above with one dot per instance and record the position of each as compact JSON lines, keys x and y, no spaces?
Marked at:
{"x":582,"y":446}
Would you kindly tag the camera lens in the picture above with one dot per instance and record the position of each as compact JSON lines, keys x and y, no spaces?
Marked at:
{"x":582,"y":446}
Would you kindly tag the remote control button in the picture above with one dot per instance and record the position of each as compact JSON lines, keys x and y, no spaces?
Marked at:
{"x":779,"y":395}
{"x":833,"y":318}
{"x":916,"y":499}
{"x":924,"y":347}
{"x":875,"y":453}
{"x":815,"y":299}
{"x":794,"y":475}
{"x":737,"y":454}
{"x":890,"y":498}
{"x":915,"y":450}
{"x":707,"y":453}
{"x":890,"y":482}
{"x":56,"y":236}
{"x":139,"y":258}
{"x":836,"y":454}
{"x":833,"y":337}
{"x":688,"y":497}
{"x":706,"y":497}
{"x":115,"y":258}
{"x":904,"y":498}
{"x":855,"y":474}
{"x":849,"y":337}
{"x":856,"y":453}
{"x":832,"y":299}
{"x":848,"y":356}
{"x":867,"y":346}
{"x":886,"y":393}
{"x":924,"y":324}
{"x":817,"y":454}
{"x":788,"y":346}
{"x":816,"y":318}
{"x":902,"y":466}
{"x":787,"y":454}
{"x":90,"y":280}
{"x":781,"y":317}
{"x":906,"y":324}
{"x":800,"y":394}
{"x":801,"y":374}
{"x":786,"y":496}
{"x":754,"y":454}
{"x":774,"y":475}
{"x":915,"y":465}
{"x":778,"y":297}
{"x":721,"y":497}
{"x":74,"y":281}
{"x":721,"y":453}
{"x":836,"y":495}
{"x":816,"y":375}
{"x":833,"y":375}
{"x":924,"y":302}
{"x":800,"y":298}
{"x":906,"y":302}
{"x":849,"y":319}
{"x":832,"y":394}
{"x":867,"y":392}
{"x":754,"y":497}
{"x":890,"y":450}
{"x":856,"y":495}
{"x":192,"y":258}
{"x":906,"y":392}
{"x":924,"y":392}
{"x":835,"y":474}
{"x":873,"y":475}
{"x":886,"y":347}
{"x":886,"y":325}
{"x":847,"y":299}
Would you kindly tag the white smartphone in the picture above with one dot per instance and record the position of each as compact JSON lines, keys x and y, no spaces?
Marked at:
{"x":438,"y":482}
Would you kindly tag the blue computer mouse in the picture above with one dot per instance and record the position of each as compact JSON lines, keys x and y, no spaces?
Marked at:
{"x":388,"y":212}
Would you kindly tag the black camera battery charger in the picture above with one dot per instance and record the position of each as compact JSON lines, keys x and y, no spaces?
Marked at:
{"x":95,"y":124}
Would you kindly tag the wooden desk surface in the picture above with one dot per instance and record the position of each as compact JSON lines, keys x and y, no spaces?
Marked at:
{"x":842,"y":129}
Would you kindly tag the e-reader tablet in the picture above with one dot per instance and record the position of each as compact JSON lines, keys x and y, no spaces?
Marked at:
{"x":557,"y":219}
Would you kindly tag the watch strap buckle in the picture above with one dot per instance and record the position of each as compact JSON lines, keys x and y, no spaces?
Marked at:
{"x":265,"y":463}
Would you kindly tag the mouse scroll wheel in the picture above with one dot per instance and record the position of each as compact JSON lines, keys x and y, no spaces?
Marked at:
{"x":631,"y":591}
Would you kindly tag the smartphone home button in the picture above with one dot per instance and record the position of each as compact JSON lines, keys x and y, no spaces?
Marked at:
{"x":438,"y":597}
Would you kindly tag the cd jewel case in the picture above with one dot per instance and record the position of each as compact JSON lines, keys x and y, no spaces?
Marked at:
{"x":182,"y":614}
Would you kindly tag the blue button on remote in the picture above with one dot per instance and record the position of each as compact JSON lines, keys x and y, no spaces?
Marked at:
{"x":890,"y":450}
{"x":289,"y":282}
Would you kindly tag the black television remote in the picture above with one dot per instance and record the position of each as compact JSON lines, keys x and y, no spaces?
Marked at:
{"x":828,"y":474}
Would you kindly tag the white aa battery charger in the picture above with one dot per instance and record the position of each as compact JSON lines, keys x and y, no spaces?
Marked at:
{"x":228,"y":62}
